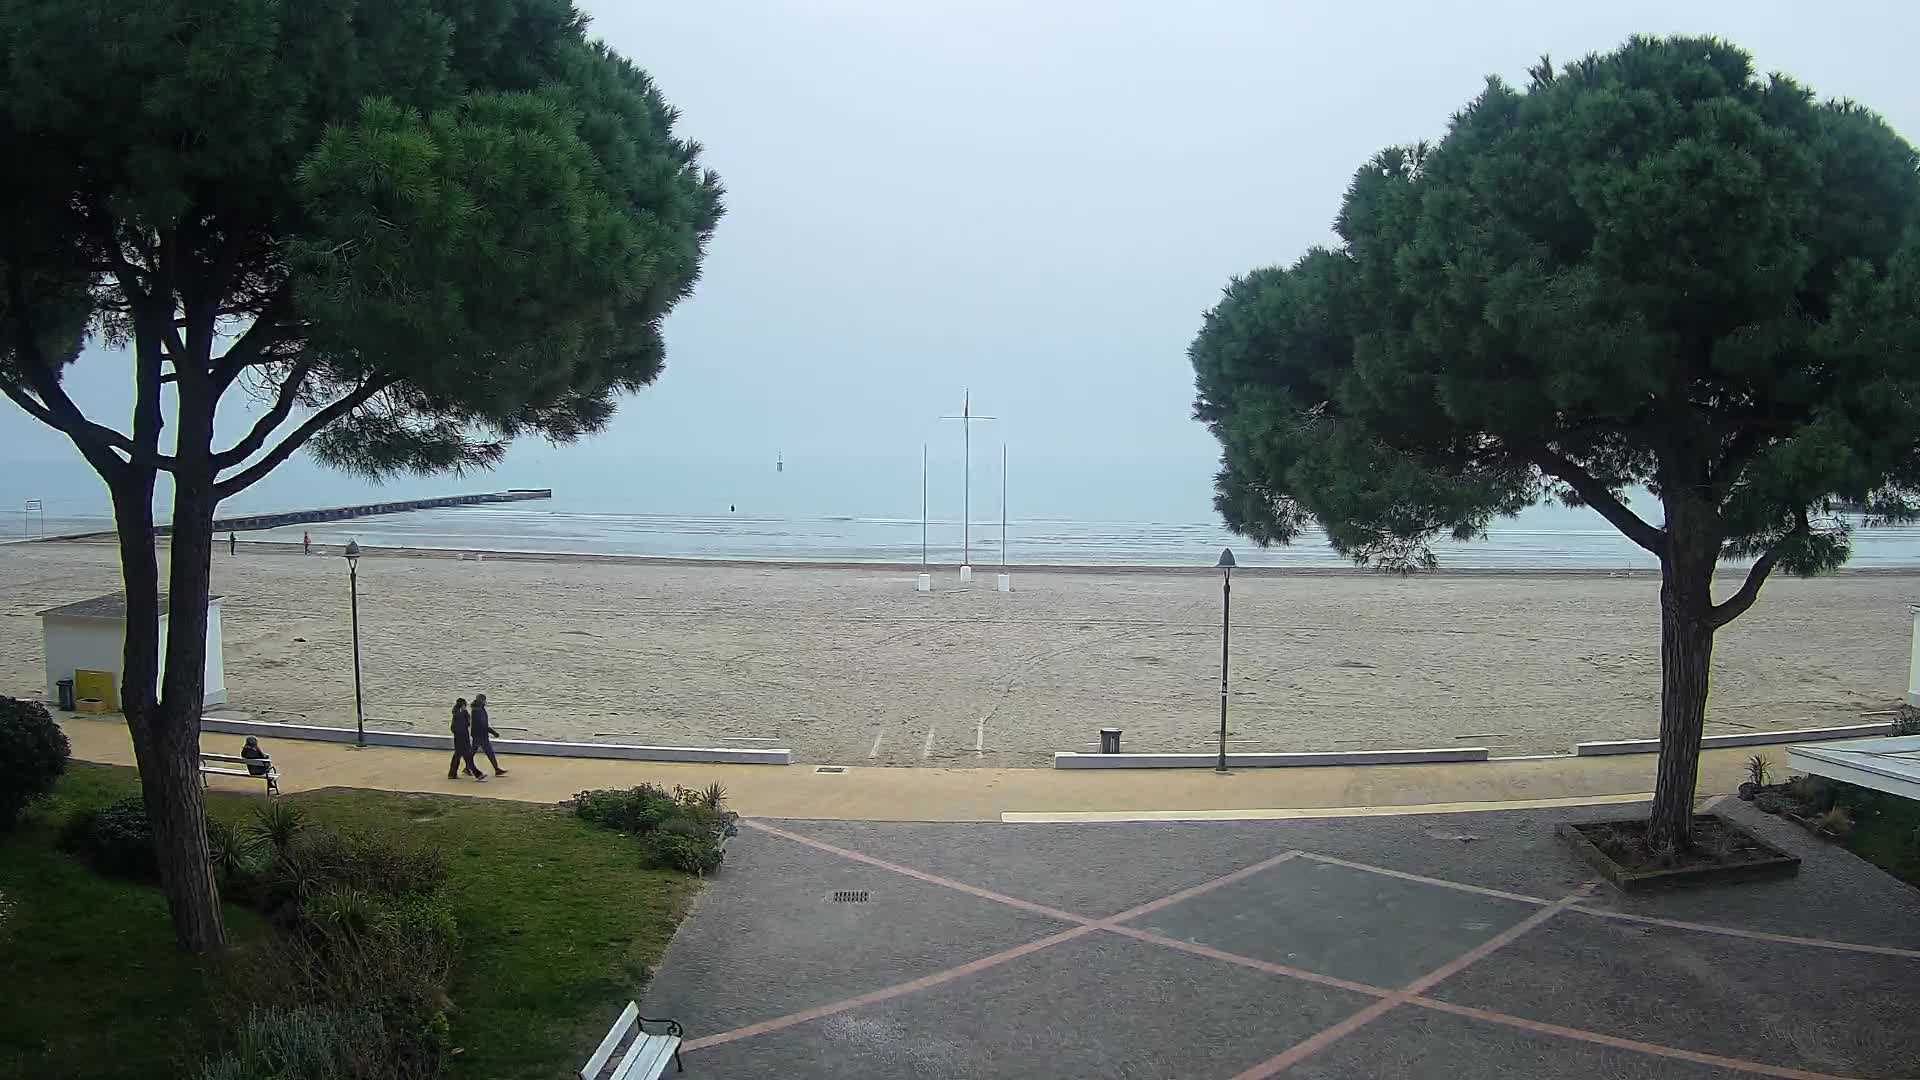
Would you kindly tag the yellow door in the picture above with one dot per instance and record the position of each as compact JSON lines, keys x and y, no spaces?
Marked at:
{"x":97,"y":684}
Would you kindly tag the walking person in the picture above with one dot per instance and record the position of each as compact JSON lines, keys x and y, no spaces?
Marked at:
{"x":483,"y":733}
{"x":463,"y":743}
{"x":306,"y":543}
{"x":233,"y":545}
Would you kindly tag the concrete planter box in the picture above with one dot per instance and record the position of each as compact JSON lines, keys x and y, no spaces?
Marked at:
{"x":1269,"y":761}
{"x":1757,"y":738}
{"x":1776,"y":863}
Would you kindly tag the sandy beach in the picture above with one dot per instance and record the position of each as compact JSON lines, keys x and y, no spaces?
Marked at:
{"x":851,"y":665}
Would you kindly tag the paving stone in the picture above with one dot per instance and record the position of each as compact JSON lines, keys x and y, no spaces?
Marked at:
{"x":1329,"y":919}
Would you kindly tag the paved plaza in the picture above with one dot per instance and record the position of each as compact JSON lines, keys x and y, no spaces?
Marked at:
{"x":1460,"y":946}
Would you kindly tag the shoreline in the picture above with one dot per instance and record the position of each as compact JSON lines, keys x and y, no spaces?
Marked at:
{"x":1179,"y":569}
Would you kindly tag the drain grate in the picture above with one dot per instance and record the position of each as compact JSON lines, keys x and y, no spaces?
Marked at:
{"x":829,"y":768}
{"x":850,"y":896}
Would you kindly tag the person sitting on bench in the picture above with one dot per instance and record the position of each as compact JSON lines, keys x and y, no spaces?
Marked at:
{"x":251,"y":751}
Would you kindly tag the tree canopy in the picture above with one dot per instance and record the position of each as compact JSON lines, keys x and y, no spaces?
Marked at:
{"x":1651,"y":269}
{"x":402,"y":231}
{"x":422,"y":226}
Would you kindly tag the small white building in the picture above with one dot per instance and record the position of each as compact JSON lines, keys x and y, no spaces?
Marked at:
{"x":90,"y":635}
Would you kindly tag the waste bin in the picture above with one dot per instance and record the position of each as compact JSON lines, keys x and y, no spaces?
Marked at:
{"x":1109,"y":740}
{"x":66,"y":694}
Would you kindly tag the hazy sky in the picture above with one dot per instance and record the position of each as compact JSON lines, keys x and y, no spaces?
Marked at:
{"x":1038,"y":200}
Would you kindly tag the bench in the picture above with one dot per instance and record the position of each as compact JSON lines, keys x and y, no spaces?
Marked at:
{"x":642,"y":1056}
{"x":208,"y":767}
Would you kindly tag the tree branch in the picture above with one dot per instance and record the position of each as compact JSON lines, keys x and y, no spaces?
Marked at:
{"x":253,"y":473}
{"x":1736,"y":605}
{"x":54,"y":408}
{"x":1597,"y":495}
{"x":283,"y":404}
{"x":266,"y":332}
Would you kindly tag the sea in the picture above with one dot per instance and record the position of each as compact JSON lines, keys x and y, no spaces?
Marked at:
{"x":1052,"y":512}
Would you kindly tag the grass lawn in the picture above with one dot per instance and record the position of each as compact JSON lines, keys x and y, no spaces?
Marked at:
{"x":559,"y":927}
{"x":1886,"y":831}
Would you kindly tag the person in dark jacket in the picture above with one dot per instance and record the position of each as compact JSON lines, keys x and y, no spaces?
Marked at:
{"x":483,"y":733}
{"x":257,"y":760}
{"x":463,"y":743}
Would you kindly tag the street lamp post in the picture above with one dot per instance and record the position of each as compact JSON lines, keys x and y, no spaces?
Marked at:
{"x":353,"y":586}
{"x":1226,"y":625}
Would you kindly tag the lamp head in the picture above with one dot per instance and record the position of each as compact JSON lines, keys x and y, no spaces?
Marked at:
{"x":1226,"y":559}
{"x":352,"y":553}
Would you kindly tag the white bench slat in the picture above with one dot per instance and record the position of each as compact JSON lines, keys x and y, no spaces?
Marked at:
{"x":228,"y":772}
{"x":647,"y":1058}
{"x":612,"y":1042}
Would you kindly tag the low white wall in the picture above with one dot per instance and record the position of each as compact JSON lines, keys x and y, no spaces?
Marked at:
{"x":1268,"y":761}
{"x":537,"y":747}
{"x":1913,"y":662}
{"x":1755,"y":738}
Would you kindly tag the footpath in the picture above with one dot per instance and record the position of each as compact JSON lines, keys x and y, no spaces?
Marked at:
{"x":938,"y":794}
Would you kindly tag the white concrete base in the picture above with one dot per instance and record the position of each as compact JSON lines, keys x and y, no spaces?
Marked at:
{"x":1881,"y":764}
{"x":1005,"y":583}
{"x":923,"y":583}
{"x":966,"y":575}
{"x":1268,"y":761}
{"x":1913,"y":664}
{"x":534,"y":747}
{"x":1757,"y":738}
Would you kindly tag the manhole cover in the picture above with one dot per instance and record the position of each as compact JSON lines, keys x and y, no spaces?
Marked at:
{"x":829,"y":768}
{"x":850,"y":896}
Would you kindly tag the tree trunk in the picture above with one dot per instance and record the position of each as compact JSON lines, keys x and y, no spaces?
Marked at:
{"x":176,"y":803}
{"x":1686,"y":661}
{"x":165,"y":749}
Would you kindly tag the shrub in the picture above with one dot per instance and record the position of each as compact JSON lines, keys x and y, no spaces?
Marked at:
{"x":1758,"y":768}
{"x":277,"y":824}
{"x":1772,"y":802}
{"x":1906,"y":721}
{"x":1813,"y":793}
{"x":304,"y":1044}
{"x":114,"y":839}
{"x":682,"y":831}
{"x":34,"y":752}
{"x":323,"y":859}
{"x":1836,"y":822}
{"x":635,"y":810}
{"x":235,"y":853}
{"x":690,"y":852}
{"x":349,"y":950}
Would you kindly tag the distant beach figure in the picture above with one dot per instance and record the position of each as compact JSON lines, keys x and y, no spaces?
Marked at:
{"x":256,"y":757}
{"x":463,"y":743}
{"x":483,"y":733}
{"x":306,"y":543}
{"x":233,"y":545}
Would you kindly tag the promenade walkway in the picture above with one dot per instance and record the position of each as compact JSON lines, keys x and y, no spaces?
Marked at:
{"x":926,"y":794}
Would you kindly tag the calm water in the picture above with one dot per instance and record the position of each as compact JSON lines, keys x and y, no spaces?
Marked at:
{"x":1059,"y":513}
